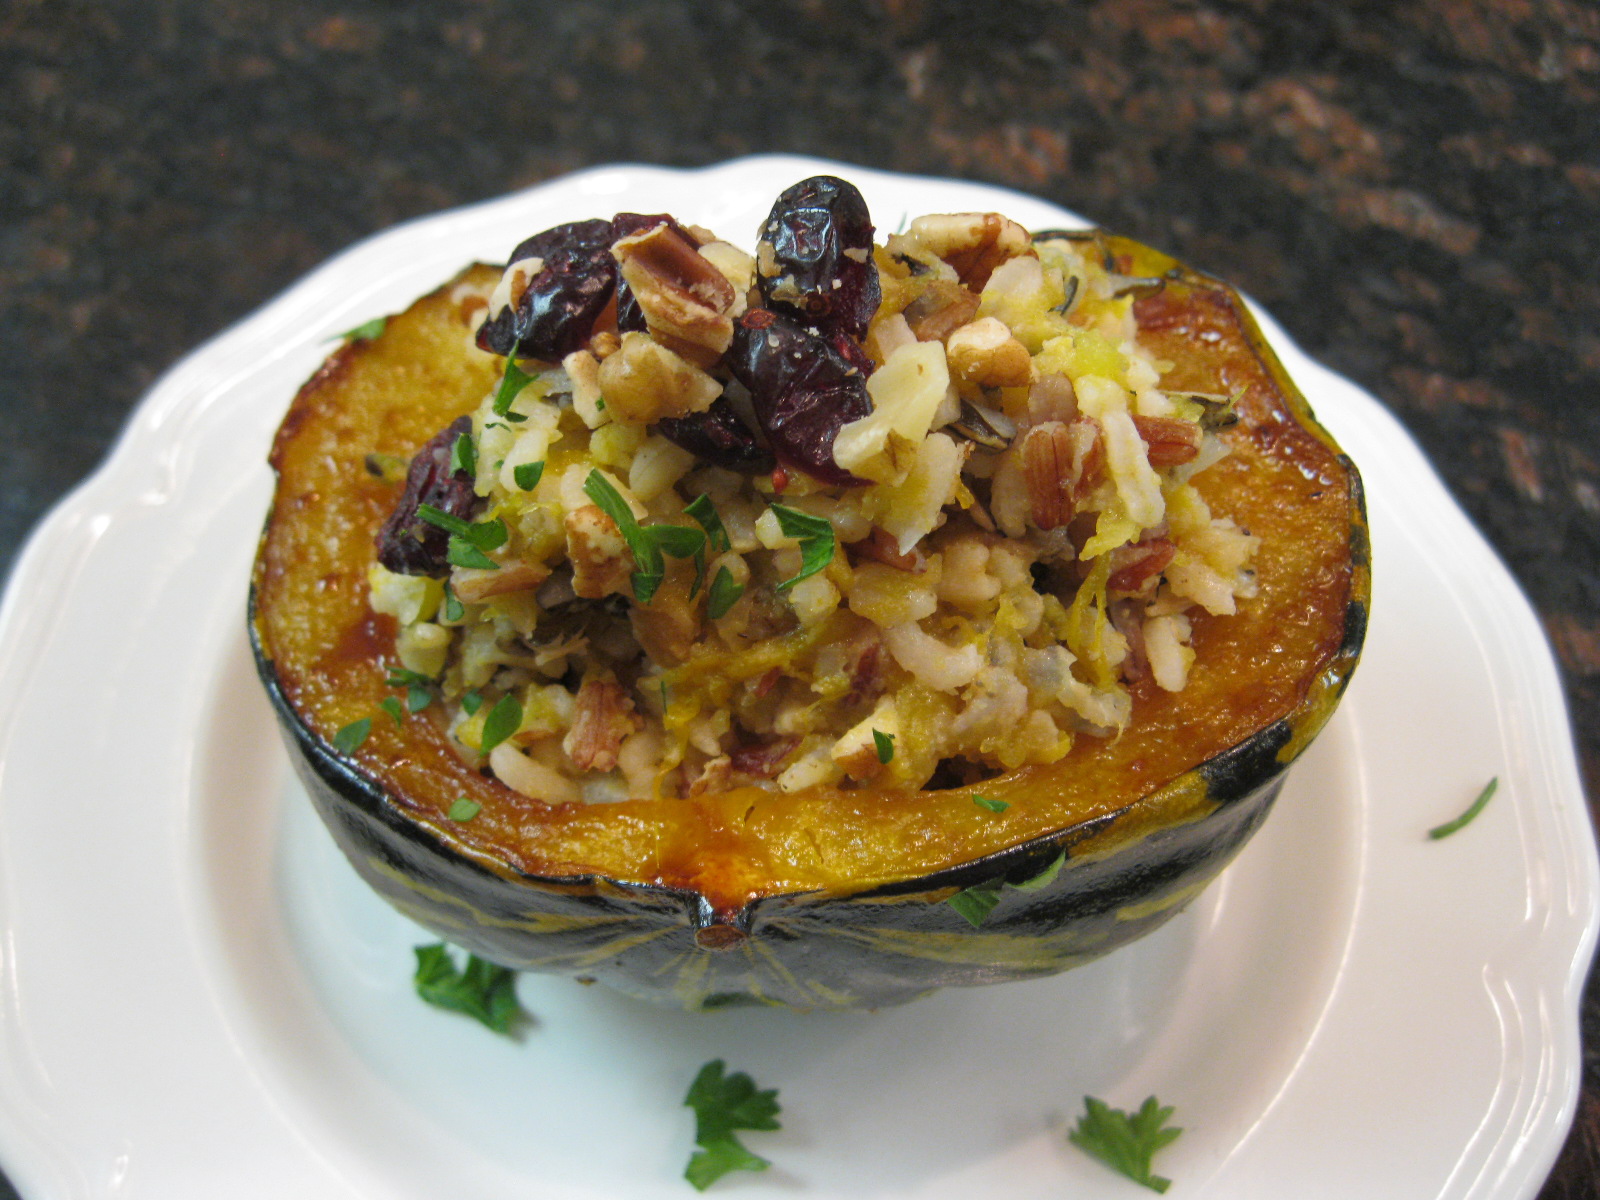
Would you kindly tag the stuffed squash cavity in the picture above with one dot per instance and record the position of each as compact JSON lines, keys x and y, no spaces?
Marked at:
{"x":705,"y":621}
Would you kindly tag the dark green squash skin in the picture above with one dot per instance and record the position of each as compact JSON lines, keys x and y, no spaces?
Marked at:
{"x":875,"y":947}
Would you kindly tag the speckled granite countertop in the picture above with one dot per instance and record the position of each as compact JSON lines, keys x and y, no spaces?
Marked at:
{"x":1412,"y":189}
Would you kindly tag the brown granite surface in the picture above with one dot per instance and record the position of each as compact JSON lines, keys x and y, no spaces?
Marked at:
{"x":1413,"y":189}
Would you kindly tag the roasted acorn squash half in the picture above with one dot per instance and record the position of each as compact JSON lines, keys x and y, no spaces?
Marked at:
{"x":821,"y":898}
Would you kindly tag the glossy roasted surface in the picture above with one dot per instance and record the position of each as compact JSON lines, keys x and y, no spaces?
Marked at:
{"x":1411,"y":189}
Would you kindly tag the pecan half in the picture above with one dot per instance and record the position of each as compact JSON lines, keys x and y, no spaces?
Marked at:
{"x":602,"y":716}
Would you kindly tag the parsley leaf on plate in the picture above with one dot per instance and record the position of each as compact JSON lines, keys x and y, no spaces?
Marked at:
{"x":1476,"y":807}
{"x":480,"y":990}
{"x":722,"y":1105}
{"x":1124,"y":1143}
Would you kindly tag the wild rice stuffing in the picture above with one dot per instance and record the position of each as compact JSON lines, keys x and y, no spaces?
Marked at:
{"x":908,"y":514}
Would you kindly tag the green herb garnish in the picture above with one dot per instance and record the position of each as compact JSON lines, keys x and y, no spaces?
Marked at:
{"x":503,"y":720}
{"x":1476,"y":807}
{"x":722,"y":1105}
{"x":511,"y":385}
{"x":471,"y":702}
{"x":1124,"y":1143}
{"x":977,"y":902}
{"x":724,"y":594}
{"x":528,"y":475}
{"x":463,"y":809}
{"x":705,"y":515}
{"x":391,"y":705}
{"x":363,"y":332}
{"x":464,"y":454}
{"x":884,"y":742}
{"x":481,"y":990}
{"x":815,"y":535}
{"x":348,"y":739}
{"x":994,"y":806}
{"x":468,"y":539}
{"x":451,"y":608}
{"x":1045,"y":877}
{"x":419,"y":688}
{"x":647,"y":542}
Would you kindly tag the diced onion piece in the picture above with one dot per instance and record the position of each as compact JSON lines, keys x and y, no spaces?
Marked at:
{"x":906,"y":393}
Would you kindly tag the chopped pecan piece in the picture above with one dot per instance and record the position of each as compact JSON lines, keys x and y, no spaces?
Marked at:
{"x":761,"y":761}
{"x":1169,"y":440}
{"x":974,"y":244}
{"x":943,"y":307}
{"x":1061,"y":463}
{"x":599,"y":554}
{"x":1135,"y":568}
{"x":602,"y":716}
{"x":986,"y":353}
{"x":475,"y":586}
{"x":685,"y":300}
{"x":644,"y":381}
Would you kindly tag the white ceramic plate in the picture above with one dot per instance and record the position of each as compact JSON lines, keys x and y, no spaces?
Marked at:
{"x":200,"y":1000}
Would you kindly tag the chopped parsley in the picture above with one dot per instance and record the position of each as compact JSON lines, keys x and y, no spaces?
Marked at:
{"x":1476,"y":807}
{"x":503,"y":720}
{"x":511,"y":385}
{"x":724,"y":594}
{"x":480,"y":990}
{"x":349,"y":738}
{"x":994,"y":806}
{"x":978,"y":901}
{"x":463,"y":809}
{"x":884,"y":743}
{"x":722,"y":1105}
{"x":451,"y":608}
{"x":419,"y":687}
{"x":815,"y":535}
{"x":528,"y":475}
{"x":1045,"y":877}
{"x":391,"y":705}
{"x":647,"y":542}
{"x":468,"y":539}
{"x":363,"y":332}
{"x":705,"y":515}
{"x":1124,"y":1143}
{"x":464,"y":455}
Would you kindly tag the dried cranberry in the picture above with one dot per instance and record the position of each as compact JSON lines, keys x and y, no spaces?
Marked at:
{"x":408,"y":545}
{"x":719,"y":437}
{"x":803,"y":388}
{"x":557,"y":313}
{"x":821,"y":238}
